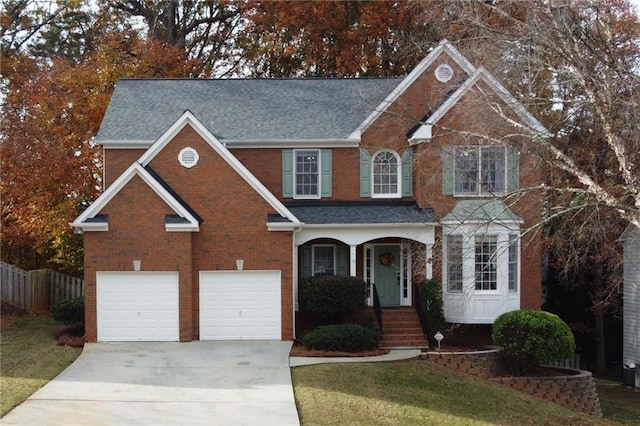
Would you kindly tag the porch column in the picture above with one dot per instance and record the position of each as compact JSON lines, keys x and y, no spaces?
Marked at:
{"x":352,"y":260}
{"x":429,"y":265}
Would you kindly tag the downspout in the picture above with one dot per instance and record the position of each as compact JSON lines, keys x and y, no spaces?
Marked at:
{"x":294,"y":290}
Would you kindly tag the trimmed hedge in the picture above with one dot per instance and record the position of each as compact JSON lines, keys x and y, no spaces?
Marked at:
{"x":531,"y":337}
{"x":328,"y":297}
{"x":70,"y":312}
{"x":342,"y":337}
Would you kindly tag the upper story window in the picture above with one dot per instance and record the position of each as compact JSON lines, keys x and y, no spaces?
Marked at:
{"x":306,"y":173}
{"x":385,"y":174}
{"x":479,"y":170}
{"x":307,"y":176}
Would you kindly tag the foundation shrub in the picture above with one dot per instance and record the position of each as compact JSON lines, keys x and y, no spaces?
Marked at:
{"x":330,"y":297}
{"x":70,"y":312}
{"x":530,"y":337}
{"x":342,"y":337}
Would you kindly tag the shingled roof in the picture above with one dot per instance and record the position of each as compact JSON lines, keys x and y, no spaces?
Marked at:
{"x":243,"y":109}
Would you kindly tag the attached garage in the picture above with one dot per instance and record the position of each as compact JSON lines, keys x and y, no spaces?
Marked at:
{"x":240,"y":305}
{"x":137,"y":306}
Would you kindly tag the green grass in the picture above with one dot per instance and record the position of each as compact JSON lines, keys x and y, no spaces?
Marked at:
{"x":30,"y":358}
{"x":416,"y":393}
{"x":619,"y":403}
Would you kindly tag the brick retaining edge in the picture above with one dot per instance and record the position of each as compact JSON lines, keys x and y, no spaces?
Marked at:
{"x":575,"y":390}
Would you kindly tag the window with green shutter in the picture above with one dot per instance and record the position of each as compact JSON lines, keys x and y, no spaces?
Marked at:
{"x":306,"y":173}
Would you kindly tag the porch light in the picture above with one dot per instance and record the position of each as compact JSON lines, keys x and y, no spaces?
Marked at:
{"x":438,"y":336}
{"x":137,"y":264}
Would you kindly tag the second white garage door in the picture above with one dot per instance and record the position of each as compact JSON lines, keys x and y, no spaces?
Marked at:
{"x":240,"y":305}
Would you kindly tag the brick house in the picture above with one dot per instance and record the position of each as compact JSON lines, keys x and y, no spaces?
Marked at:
{"x":222,"y":195}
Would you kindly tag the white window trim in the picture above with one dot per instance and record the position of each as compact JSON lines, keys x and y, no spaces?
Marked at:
{"x":469,"y":233}
{"x":295,"y":175}
{"x":313,"y":257}
{"x":398,"y":193}
{"x":479,"y":193}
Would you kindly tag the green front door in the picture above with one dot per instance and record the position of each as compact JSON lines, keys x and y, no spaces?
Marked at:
{"x":386,"y":260}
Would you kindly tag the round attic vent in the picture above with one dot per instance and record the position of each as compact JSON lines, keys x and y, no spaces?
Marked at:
{"x":188,"y":157}
{"x":444,"y":73}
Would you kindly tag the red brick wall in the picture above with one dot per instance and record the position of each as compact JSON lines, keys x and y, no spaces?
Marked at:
{"x":116,"y":161}
{"x":136,"y":231}
{"x":235,"y":217}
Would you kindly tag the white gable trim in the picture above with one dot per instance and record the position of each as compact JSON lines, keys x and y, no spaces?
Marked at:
{"x":443,"y":47}
{"x":135,"y":170}
{"x":424,"y":132}
{"x":189,"y":119}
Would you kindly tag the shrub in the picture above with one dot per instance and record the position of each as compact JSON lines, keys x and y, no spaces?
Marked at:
{"x":328,"y":297}
{"x":70,"y":312}
{"x":530,"y":337}
{"x":342,"y":337}
{"x":431,"y":293}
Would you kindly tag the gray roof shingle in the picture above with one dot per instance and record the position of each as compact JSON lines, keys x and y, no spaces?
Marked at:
{"x":243,"y":109}
{"x":359,"y":213}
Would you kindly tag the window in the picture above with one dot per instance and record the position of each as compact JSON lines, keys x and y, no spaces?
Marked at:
{"x":307,"y":176}
{"x":454,"y":263}
{"x":513,"y":263}
{"x":323,"y":260}
{"x":306,"y":173}
{"x":480,"y":170}
{"x":386,"y":174}
{"x":385,"y":170}
{"x":486,"y":265}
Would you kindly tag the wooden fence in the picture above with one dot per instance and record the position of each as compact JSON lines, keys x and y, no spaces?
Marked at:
{"x":37,"y":290}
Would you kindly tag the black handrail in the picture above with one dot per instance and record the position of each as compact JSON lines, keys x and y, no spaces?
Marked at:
{"x":377,"y":307}
{"x":422,"y":314}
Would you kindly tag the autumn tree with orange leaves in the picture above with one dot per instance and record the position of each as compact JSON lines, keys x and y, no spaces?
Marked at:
{"x":50,"y":170}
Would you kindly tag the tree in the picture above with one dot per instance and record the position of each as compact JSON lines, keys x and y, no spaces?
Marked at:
{"x":50,"y":170}
{"x":323,"y":39}
{"x":205,"y":30}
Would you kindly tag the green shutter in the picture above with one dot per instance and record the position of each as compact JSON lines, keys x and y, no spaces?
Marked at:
{"x":325,"y":176}
{"x":365,"y":174}
{"x":305,"y":262}
{"x":287,"y":173}
{"x":513,"y":170}
{"x":448,"y":161}
{"x":407,"y":173}
{"x":342,"y":261}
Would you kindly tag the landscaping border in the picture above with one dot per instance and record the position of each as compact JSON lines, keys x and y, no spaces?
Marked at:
{"x":574,"y":390}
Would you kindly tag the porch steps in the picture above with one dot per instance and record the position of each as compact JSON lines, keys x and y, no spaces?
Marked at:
{"x":401,"y":328}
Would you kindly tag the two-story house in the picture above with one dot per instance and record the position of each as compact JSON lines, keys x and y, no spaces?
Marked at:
{"x":222,"y":195}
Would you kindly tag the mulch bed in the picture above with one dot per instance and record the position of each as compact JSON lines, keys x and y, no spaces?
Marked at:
{"x":71,"y":336}
{"x":299,"y":350}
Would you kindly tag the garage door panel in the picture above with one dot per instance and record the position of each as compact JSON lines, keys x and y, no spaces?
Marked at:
{"x":240,"y":305}
{"x":137,"y":306}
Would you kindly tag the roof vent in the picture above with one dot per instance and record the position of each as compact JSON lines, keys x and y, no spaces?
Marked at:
{"x":444,"y":73}
{"x":188,"y":157}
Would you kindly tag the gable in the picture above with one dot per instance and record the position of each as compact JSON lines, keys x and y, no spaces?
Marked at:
{"x":92,"y":220}
{"x":189,"y":123}
{"x":480,"y":77}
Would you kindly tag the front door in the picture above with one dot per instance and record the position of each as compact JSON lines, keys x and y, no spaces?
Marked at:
{"x":386,"y":260}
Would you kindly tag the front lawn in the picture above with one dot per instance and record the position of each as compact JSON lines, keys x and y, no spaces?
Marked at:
{"x":30,"y":357}
{"x":619,"y":403}
{"x":416,"y":393}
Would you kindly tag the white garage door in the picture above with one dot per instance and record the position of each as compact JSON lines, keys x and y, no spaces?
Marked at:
{"x":137,"y":306}
{"x":240,"y":305}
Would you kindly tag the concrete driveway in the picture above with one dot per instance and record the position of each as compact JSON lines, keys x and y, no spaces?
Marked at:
{"x":197,"y":383}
